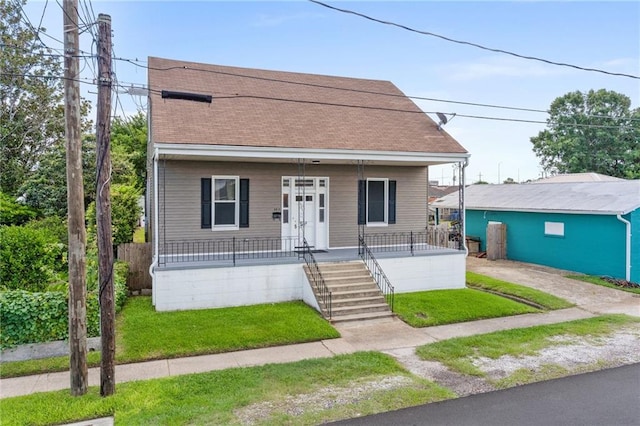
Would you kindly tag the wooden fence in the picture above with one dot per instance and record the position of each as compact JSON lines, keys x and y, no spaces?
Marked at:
{"x":138,"y":255}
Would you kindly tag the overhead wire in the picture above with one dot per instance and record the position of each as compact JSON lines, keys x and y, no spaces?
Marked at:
{"x":468,"y":43}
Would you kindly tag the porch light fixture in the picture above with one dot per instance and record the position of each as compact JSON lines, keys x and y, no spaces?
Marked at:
{"x":196,"y":97}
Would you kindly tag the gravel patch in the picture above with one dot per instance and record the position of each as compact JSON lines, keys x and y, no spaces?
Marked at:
{"x":570,"y":352}
{"x":323,"y":399}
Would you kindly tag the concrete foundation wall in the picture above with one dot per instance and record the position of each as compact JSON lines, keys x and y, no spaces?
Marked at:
{"x":419,"y":273}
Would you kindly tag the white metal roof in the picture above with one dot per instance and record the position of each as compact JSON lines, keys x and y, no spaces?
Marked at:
{"x":609,"y":197}
{"x":578,"y":177}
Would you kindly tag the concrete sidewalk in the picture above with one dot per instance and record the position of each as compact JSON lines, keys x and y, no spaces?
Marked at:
{"x":375,"y":335}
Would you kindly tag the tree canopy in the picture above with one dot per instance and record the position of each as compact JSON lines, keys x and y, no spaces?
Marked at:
{"x":595,"y":131}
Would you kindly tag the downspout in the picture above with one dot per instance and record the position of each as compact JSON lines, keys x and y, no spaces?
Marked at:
{"x":628,"y":247}
{"x":156,"y":245}
{"x":463,"y":211}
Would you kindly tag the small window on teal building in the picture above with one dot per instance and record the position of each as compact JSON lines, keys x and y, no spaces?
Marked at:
{"x":554,"y":229}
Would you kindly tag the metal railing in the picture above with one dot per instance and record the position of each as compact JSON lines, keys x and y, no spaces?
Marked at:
{"x":430,"y":239}
{"x":376,"y":271}
{"x":317,"y":281}
{"x":226,"y":250}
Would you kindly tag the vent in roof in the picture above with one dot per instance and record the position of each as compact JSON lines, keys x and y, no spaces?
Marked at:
{"x":197,"y":97}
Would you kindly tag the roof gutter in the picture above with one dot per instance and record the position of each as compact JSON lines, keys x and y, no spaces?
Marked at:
{"x":628,"y":247}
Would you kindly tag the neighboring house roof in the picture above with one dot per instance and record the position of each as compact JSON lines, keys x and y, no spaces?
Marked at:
{"x":578,"y":177}
{"x":613,"y":197}
{"x":275,"y":109}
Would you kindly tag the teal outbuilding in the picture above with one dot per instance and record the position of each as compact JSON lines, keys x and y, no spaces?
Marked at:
{"x":588,"y":227}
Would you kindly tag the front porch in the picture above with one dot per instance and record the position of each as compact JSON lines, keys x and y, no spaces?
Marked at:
{"x":194,"y":275}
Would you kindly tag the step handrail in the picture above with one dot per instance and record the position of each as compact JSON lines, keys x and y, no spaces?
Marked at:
{"x":316,"y":277}
{"x":376,"y":271}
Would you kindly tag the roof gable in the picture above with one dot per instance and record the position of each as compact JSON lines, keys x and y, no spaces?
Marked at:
{"x":262,"y":108}
{"x":608,"y":197}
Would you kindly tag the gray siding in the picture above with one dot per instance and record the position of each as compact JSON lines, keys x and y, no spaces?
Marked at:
{"x":179,"y":198}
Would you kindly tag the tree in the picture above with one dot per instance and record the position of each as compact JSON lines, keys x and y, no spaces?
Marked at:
{"x":129,"y":145}
{"x":46,"y":187}
{"x":509,"y":181}
{"x":31,"y":111}
{"x":31,"y":98}
{"x":595,"y":131}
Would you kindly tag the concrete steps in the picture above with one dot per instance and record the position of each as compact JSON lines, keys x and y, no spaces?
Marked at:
{"x":355,"y":296}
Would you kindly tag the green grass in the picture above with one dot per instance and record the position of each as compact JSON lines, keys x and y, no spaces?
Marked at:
{"x":138,"y":235}
{"x":458,"y":353}
{"x":213,"y":398}
{"x":144,"y":334}
{"x":436,"y":307}
{"x":543,"y":299}
{"x":599,"y":281}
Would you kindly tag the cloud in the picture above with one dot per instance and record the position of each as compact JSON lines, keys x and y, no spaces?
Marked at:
{"x":499,"y":66}
{"x":265,"y":20}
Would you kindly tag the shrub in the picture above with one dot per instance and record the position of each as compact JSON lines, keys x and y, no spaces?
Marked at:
{"x":14,"y":213}
{"x":32,"y":317}
{"x":125,"y":213}
{"x":28,"y":258}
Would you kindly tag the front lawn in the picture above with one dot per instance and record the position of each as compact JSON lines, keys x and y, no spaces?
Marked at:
{"x":437,"y":307}
{"x":323,"y":390}
{"x":545,"y":300}
{"x":458,"y":353}
{"x":144,"y":334}
{"x":599,"y":281}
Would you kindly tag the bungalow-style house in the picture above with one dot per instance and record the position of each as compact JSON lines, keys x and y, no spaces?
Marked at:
{"x":590,"y":226}
{"x":268,"y":186}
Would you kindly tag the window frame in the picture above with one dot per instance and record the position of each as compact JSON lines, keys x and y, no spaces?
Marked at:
{"x":236,"y":203}
{"x":385,"y":221}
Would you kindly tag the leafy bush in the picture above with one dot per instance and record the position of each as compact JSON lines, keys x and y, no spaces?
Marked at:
{"x":32,"y":317}
{"x":28,"y":258}
{"x":55,"y":226}
{"x":14,"y":213}
{"x":125,"y":213}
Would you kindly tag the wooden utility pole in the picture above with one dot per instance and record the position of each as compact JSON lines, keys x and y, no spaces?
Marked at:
{"x":75,"y":203}
{"x":103,"y":209}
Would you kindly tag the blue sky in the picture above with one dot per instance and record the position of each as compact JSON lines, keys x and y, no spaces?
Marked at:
{"x":300,"y":36}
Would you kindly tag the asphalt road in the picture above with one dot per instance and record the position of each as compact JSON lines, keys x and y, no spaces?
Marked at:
{"x":603,"y":398}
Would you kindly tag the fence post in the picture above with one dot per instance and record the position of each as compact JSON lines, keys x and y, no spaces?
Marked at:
{"x":411,"y":243}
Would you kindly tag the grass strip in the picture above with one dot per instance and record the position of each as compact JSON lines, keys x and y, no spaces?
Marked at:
{"x":437,"y":307}
{"x":546,"y":300}
{"x":458,"y":353}
{"x":216,"y":397}
{"x":143,"y":334}
{"x":599,"y":281}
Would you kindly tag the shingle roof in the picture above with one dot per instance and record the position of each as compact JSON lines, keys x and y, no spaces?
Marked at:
{"x":578,"y":177}
{"x":253,"y":107}
{"x":610,"y":197}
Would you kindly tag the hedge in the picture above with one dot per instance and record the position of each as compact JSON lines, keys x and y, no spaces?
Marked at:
{"x":34,"y":317}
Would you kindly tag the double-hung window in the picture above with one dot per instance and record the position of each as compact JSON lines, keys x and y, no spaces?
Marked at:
{"x":376,"y":202}
{"x":224,"y":202}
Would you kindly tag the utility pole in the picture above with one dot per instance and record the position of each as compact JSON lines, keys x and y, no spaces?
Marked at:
{"x":103,"y":209}
{"x":75,"y":203}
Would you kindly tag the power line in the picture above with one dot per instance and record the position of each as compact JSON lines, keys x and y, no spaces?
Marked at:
{"x":277,"y":80}
{"x":468,"y":43}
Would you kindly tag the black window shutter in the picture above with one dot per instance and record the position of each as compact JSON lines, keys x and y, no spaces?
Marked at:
{"x":205,"y":203}
{"x":362,"y":202}
{"x":392,"y":201}
{"x":244,"y":203}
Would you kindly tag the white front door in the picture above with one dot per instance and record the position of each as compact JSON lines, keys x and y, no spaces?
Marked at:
{"x":305,"y":211}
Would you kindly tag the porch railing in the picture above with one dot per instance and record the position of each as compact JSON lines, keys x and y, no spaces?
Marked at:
{"x":317,"y":281}
{"x":229,"y":250}
{"x":376,"y":271}
{"x":431,"y":239}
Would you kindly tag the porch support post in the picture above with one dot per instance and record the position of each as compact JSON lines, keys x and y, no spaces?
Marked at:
{"x":361,"y":226}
